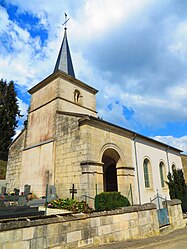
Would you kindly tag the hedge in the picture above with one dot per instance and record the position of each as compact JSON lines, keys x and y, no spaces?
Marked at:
{"x":110,"y":200}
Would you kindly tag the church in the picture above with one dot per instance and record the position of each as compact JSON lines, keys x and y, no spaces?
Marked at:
{"x":66,"y":143}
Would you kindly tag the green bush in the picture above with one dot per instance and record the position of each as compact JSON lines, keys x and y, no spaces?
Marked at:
{"x":110,"y":200}
{"x":70,"y":204}
{"x":177,"y":187}
{"x":184,"y":203}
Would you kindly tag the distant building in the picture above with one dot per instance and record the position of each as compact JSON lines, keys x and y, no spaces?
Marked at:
{"x":66,"y":143}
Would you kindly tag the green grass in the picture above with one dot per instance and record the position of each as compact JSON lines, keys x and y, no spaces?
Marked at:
{"x":3,"y":165}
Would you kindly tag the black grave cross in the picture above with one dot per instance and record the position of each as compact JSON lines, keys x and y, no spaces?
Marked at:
{"x":73,"y":191}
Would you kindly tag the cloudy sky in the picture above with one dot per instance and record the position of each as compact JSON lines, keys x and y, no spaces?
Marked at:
{"x":133,"y":51}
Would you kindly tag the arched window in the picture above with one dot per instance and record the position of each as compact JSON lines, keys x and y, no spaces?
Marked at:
{"x":146,"y":169}
{"x":173,"y":167}
{"x":162,"y":174}
{"x":77,"y":96}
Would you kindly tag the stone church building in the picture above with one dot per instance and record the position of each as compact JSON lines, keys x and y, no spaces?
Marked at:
{"x":66,"y":143}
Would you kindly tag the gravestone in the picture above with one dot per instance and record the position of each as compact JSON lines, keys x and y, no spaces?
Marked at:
{"x":10,"y":208}
{"x":51,"y":193}
{"x":3,"y":190}
{"x":2,"y":204}
{"x":73,"y":191}
{"x":27,"y":189}
{"x":16,"y":191}
{"x":22,"y":201}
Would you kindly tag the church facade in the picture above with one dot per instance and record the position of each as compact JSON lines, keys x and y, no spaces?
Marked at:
{"x":66,"y":143}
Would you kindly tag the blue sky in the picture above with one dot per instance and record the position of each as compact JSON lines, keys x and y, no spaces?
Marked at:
{"x":133,"y":51}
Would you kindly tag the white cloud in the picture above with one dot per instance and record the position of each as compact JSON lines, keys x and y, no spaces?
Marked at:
{"x":154,"y":100}
{"x":101,"y":16}
{"x":180,"y":143}
{"x":18,"y":131}
{"x":178,"y":43}
{"x":23,"y":108}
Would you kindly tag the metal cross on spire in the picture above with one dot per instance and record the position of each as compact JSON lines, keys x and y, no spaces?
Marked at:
{"x":66,"y":20}
{"x":64,"y":62}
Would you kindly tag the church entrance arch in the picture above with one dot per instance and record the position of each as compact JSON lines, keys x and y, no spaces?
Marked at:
{"x":110,"y":158}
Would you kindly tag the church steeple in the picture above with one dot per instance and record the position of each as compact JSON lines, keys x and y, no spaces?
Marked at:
{"x":64,"y":62}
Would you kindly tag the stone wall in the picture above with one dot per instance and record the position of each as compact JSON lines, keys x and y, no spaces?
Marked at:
{"x":175,"y":214}
{"x":102,"y":138}
{"x":71,"y":149}
{"x":14,"y":165}
{"x":78,"y":160}
{"x":2,"y":184}
{"x":79,"y":230}
{"x":73,"y":231}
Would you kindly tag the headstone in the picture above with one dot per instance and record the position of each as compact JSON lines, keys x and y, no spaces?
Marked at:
{"x":27,"y":189}
{"x":51,"y":193}
{"x":22,"y":200}
{"x":16,"y":191}
{"x":3,"y":190}
{"x":11,"y":210}
{"x":2,"y":204}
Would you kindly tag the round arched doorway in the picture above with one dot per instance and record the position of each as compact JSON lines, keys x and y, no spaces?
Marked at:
{"x":110,"y":159}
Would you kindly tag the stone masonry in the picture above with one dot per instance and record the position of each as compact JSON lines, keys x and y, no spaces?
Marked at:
{"x":15,"y":162}
{"x":79,"y":230}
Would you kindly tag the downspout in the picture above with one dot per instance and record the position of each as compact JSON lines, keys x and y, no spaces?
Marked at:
{"x":167,"y":159}
{"x":137,"y":172}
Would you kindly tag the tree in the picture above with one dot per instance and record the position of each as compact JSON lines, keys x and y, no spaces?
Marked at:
{"x":177,"y":187}
{"x":9,"y":112}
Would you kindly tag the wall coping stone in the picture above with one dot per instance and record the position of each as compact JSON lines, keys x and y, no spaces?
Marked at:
{"x":17,"y":223}
{"x":172,"y":202}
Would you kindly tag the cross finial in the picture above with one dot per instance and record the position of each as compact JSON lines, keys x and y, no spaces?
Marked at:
{"x":66,"y":20}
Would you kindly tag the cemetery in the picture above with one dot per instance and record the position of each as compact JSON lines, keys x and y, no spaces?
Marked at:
{"x":14,"y":204}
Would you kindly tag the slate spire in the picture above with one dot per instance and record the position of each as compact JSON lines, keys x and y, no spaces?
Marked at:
{"x":64,"y":62}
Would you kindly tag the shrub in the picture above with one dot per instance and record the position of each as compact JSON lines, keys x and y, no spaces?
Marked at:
{"x":110,"y":200}
{"x":177,"y":187}
{"x":70,"y":204}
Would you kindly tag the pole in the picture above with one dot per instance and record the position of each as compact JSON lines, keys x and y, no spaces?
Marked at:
{"x":131,"y":194}
{"x":135,"y":152}
{"x":46,"y":200}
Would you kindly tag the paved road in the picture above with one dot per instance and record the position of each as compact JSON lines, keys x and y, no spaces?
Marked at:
{"x":174,"y":240}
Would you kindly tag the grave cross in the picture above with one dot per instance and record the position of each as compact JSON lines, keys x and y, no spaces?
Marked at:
{"x":73,"y":191}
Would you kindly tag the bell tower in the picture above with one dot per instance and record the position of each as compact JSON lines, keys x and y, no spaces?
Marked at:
{"x":60,"y":91}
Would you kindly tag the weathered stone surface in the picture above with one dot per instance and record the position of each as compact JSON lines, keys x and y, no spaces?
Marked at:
{"x":27,"y":233}
{"x":74,"y":236}
{"x":17,"y":245}
{"x":172,"y":202}
{"x":73,"y":231}
{"x":14,"y":165}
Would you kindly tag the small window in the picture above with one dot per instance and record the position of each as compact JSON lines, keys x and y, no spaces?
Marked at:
{"x":146,"y":173}
{"x":162,"y":173}
{"x":173,"y":167}
{"x":77,"y":96}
